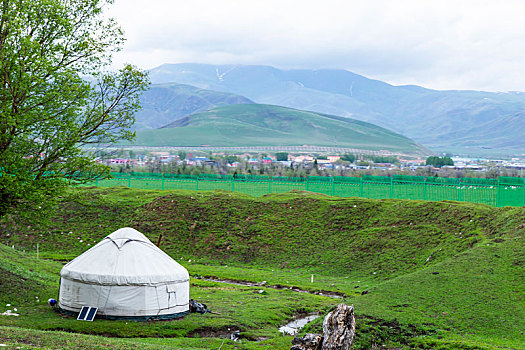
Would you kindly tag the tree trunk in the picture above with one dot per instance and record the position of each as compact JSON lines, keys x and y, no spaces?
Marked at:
{"x":339,"y":328}
{"x":338,"y":332}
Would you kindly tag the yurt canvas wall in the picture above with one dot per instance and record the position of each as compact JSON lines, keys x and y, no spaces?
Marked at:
{"x":125,"y":276}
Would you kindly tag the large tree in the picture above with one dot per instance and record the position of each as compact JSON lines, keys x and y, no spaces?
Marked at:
{"x":59,"y":95}
{"x":439,"y":162}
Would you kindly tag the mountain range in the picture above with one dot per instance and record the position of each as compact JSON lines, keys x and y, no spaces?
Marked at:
{"x":460,"y":121}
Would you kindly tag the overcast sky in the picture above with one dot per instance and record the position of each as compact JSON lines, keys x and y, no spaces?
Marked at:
{"x":441,"y":44}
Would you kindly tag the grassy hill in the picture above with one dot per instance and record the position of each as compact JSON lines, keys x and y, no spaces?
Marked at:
{"x":265,"y":125}
{"x":421,"y":274}
{"x":164,"y":103}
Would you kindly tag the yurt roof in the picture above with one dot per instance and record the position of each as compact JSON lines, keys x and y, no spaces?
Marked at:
{"x":125,"y":257}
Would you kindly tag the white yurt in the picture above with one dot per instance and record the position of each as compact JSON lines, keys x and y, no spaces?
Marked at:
{"x":125,"y":276}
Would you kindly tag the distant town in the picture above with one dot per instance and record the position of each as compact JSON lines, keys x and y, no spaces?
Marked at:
{"x":307,"y":164}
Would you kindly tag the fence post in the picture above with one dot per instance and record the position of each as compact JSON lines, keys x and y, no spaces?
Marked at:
{"x":270,"y":185}
{"x":333,"y":186}
{"x":197,"y":183}
{"x":391,"y":187}
{"x":459,"y":189}
{"x":361,"y":188}
{"x":498,"y":185}
{"x":523,"y":189}
{"x":425,"y":189}
{"x":162,"y":181}
{"x":129,"y":180}
{"x":233,"y":184}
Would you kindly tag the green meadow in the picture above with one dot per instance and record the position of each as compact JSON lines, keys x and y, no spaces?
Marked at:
{"x":421,"y":274}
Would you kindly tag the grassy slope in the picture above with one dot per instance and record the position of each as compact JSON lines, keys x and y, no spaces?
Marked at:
{"x":265,"y":125}
{"x":164,"y":103}
{"x":487,"y":305}
{"x":350,"y":245}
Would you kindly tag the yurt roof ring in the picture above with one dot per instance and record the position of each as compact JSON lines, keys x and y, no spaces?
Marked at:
{"x":127,"y":240}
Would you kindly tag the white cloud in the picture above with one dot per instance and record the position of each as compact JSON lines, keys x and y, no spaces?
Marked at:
{"x":460,"y":44}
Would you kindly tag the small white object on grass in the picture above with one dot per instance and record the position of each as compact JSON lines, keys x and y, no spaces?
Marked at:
{"x":9,"y":313}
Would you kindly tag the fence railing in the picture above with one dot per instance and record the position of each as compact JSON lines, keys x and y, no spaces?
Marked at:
{"x":504,"y":191}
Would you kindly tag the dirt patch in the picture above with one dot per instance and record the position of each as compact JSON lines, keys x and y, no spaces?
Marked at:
{"x":210,"y":332}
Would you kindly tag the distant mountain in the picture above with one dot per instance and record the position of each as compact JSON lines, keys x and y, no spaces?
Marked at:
{"x":266,"y":125}
{"x":164,"y":103}
{"x":468,"y":121}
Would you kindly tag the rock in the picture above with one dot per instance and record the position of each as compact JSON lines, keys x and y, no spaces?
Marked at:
{"x":309,"y":342}
{"x":198,"y":307}
{"x":339,"y":328}
{"x":235,"y":335}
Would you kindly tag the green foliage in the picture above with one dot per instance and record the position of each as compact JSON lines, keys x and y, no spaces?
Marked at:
{"x":231,"y":159}
{"x":385,"y":159}
{"x":182,"y":155}
{"x":438,"y":162}
{"x":48,"y":109}
{"x":348,"y":157}
{"x":281,"y":156}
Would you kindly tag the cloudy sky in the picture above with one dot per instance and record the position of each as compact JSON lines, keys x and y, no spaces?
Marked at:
{"x":441,"y":44}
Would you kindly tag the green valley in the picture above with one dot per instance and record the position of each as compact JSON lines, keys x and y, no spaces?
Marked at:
{"x":421,"y":274}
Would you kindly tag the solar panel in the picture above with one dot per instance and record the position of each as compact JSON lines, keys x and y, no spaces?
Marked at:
{"x":87,"y":313}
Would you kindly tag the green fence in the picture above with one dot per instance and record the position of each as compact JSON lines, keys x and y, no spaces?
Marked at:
{"x":504,"y":191}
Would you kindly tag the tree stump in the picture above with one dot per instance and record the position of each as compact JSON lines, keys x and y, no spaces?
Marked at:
{"x":338,"y":332}
{"x":339,"y":328}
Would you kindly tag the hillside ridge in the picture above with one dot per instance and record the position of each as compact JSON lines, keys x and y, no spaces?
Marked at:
{"x":269,"y":125}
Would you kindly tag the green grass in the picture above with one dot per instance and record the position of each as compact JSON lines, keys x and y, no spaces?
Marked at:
{"x":420,"y":274}
{"x":479,"y":292}
{"x":266,"y":125}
